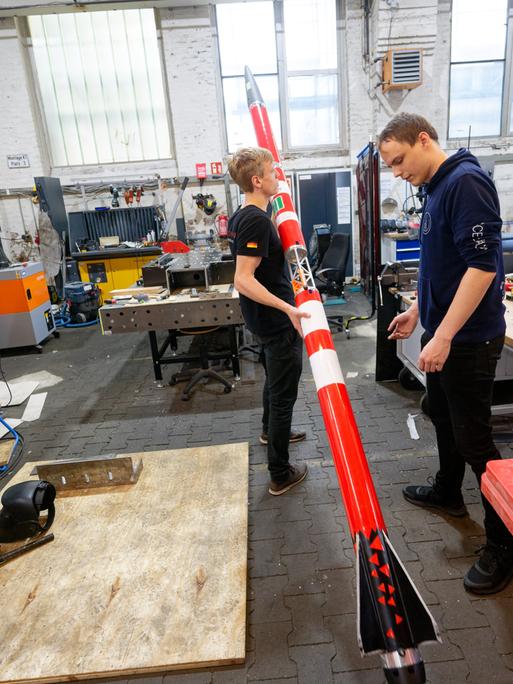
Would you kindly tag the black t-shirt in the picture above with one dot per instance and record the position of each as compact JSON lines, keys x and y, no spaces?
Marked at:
{"x":252,"y":233}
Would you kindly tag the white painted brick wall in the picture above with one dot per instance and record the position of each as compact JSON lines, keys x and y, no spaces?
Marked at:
{"x":190,"y":59}
{"x":18,"y":134}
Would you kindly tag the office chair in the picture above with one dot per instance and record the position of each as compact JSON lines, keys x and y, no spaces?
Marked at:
{"x":330,"y":276}
{"x":204,"y":354}
{"x":318,"y":244}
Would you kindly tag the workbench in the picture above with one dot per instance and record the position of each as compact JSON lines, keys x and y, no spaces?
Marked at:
{"x":181,"y":313}
{"x":408,"y":350}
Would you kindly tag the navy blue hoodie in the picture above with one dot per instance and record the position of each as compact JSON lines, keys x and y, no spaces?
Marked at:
{"x":461,"y":228}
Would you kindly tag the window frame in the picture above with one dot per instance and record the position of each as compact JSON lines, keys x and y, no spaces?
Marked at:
{"x":24,"y":33}
{"x":507,"y":83}
{"x":507,"y":86}
{"x":283,"y":75}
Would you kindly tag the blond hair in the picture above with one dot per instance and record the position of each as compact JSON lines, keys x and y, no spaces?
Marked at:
{"x":246,"y":163}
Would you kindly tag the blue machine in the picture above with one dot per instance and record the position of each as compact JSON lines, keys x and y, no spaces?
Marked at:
{"x":83,"y":301}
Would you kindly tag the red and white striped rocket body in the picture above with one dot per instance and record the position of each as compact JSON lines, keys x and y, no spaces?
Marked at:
{"x":363,"y":511}
{"x":387,"y":596}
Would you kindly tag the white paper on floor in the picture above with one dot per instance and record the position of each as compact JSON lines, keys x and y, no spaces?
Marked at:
{"x":34,"y":407}
{"x":19,"y":390}
{"x":410,"y":422}
{"x":351,"y":374}
{"x":44,"y":379}
{"x":13,"y":422}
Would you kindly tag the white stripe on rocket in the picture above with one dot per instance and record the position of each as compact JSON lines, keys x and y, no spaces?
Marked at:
{"x":326,"y":368}
{"x":283,"y":186}
{"x":285,"y":216}
{"x":317,"y":320}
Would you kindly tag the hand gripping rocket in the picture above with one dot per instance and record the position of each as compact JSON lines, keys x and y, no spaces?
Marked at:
{"x":392,"y":617}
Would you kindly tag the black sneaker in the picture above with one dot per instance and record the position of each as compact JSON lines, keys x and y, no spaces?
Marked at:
{"x":294,"y":437}
{"x":428,"y":497}
{"x":296,"y":475}
{"x":492,"y":572}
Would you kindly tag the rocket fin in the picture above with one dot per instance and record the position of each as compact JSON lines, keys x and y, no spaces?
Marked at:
{"x":391,"y":612}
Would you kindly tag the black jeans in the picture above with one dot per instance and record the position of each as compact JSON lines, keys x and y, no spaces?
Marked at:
{"x":459,"y":398}
{"x":282,"y":358}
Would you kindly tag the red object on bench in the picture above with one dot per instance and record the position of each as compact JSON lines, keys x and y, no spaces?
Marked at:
{"x":174,"y":246}
{"x":497,"y":486}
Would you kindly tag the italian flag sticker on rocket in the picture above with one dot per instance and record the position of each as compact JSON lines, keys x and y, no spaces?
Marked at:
{"x":277,"y":204}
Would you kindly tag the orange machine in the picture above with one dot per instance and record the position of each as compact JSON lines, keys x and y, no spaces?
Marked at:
{"x":25,"y":311}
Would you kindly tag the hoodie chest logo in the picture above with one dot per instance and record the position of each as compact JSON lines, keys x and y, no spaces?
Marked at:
{"x":426,"y":223}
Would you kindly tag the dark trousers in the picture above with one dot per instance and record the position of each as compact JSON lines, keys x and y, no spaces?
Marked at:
{"x":459,"y":398}
{"x":282,"y":358}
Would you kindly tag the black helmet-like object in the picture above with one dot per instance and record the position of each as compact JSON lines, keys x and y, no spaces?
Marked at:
{"x":22,"y":506}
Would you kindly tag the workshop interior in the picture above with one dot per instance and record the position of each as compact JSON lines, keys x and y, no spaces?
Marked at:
{"x":138,"y":539}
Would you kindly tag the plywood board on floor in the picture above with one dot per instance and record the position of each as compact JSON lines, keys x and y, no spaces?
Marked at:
{"x":5,"y":449}
{"x":148,"y":579}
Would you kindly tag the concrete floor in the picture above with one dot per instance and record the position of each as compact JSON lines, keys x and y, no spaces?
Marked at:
{"x":301,"y":621}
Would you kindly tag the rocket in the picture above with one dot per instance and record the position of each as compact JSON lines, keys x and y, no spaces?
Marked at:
{"x":392,"y":617}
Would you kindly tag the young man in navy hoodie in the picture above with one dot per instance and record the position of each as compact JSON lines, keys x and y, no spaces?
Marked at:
{"x":460,"y":292}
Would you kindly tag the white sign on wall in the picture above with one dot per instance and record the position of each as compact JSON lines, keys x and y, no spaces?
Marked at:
{"x":18,"y":161}
{"x":343,"y":205}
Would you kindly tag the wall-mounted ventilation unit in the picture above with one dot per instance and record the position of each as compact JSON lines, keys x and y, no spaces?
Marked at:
{"x":402,"y":69}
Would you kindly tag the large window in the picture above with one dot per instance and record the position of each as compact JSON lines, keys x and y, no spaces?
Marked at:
{"x":478,"y":58}
{"x":291,"y":48}
{"x":101,"y":86}
{"x":246,"y":37}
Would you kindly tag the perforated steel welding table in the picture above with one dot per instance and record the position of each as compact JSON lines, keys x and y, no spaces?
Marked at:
{"x":180,"y":314}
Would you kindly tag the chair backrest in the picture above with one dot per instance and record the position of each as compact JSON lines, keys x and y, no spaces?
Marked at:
{"x":337,"y":253}
{"x":319,"y":242}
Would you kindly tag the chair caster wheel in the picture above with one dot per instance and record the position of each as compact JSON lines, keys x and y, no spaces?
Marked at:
{"x":56,"y":334}
{"x":227,"y":390}
{"x":186,"y":397}
{"x":172,"y":381}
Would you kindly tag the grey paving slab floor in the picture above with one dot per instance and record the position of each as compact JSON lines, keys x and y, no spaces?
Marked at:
{"x":301,"y":617}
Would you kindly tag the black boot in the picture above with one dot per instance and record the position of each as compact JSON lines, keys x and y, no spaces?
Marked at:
{"x":430,"y":496}
{"x":492,"y":571}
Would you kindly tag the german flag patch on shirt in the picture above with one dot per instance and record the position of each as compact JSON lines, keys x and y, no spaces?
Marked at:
{"x":252,"y":245}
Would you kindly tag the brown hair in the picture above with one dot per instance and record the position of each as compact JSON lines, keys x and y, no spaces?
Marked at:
{"x":406,"y":128}
{"x":246,"y":163}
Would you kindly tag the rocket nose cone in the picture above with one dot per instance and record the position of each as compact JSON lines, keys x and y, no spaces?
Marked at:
{"x":252,"y":91}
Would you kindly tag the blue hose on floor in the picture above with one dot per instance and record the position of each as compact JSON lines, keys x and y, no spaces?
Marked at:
{"x":65,"y":322}
{"x":7,"y":466}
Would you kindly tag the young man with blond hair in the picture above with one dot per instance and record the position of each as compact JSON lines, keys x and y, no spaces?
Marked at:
{"x":267,"y":304}
{"x":460,"y":292}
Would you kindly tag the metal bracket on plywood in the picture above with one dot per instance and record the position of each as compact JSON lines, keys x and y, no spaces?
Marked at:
{"x":71,"y":475}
